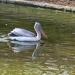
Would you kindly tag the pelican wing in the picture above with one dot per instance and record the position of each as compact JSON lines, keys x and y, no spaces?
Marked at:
{"x":21,"y":32}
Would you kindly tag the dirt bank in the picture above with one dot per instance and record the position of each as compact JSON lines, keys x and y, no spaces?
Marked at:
{"x":43,"y":4}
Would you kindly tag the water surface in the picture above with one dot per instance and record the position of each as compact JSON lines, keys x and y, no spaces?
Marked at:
{"x":54,"y":56}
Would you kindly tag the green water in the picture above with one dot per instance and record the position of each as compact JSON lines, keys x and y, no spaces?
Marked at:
{"x":55,"y":56}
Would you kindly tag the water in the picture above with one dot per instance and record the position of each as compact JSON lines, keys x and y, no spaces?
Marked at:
{"x":54,"y":56}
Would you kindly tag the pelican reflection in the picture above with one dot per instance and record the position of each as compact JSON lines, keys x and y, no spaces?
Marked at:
{"x":17,"y":46}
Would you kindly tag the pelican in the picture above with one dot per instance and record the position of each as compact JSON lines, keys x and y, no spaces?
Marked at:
{"x":19,"y":34}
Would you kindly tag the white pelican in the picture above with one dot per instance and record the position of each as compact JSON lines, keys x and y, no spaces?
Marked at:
{"x":25,"y":35}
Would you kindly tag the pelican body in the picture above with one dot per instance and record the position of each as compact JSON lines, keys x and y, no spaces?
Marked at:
{"x":19,"y":34}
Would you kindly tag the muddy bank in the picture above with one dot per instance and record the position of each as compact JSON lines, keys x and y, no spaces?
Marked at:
{"x":41,"y":4}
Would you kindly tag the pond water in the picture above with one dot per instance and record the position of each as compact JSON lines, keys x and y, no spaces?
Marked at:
{"x":54,"y":56}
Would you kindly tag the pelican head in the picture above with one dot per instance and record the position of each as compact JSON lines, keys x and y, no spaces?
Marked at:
{"x":39,"y":29}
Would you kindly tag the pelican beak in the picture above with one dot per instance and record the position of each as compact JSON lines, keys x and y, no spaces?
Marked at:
{"x":41,"y":30}
{"x":44,"y":35}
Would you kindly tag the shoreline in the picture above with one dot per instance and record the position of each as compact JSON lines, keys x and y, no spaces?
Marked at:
{"x":41,"y":4}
